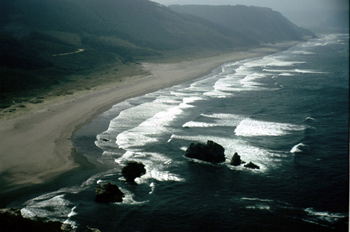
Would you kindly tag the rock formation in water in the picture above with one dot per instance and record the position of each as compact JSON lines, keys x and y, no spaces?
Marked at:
{"x":252,"y":166}
{"x":133,"y":170}
{"x":210,"y":152}
{"x":108,"y":192}
{"x":11,"y":219}
{"x":236,"y":160}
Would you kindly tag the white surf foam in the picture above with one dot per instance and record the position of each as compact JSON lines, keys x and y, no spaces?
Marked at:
{"x":223,"y":86}
{"x":149,"y":130}
{"x":152,"y":186}
{"x":226,"y":120}
{"x":128,"y":198}
{"x":310,"y":119}
{"x":325,"y":216}
{"x":259,"y":207}
{"x":322,"y":41}
{"x":155,"y":165}
{"x":279,"y":61}
{"x":306,"y":71}
{"x":222,"y":116}
{"x":291,"y":71}
{"x":250,"y":127}
{"x":26,"y":213}
{"x":298,"y":148}
{"x":255,"y":199}
{"x":315,"y":43}
{"x":286,"y":74}
{"x":72,"y":212}
{"x":54,"y":207}
{"x":303,"y":52}
{"x":161,"y":175}
{"x":271,"y":60}
{"x":249,"y":80}
{"x":198,"y":124}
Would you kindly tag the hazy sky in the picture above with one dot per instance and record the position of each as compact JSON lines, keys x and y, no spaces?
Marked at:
{"x":279,"y":5}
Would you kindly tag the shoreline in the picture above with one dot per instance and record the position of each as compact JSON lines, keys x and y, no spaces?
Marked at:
{"x":37,"y":147}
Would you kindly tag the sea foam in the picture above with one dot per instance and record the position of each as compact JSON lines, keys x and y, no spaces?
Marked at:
{"x":298,"y":148}
{"x":325,"y":216}
{"x":220,"y":120}
{"x":250,"y":127}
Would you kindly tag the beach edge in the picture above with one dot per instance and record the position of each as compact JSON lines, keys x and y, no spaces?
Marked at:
{"x":46,"y":135}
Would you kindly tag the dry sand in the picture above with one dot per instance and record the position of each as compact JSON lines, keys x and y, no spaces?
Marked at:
{"x":37,"y":146}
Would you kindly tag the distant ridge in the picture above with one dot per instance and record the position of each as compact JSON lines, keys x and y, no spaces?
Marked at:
{"x":133,"y":25}
{"x":33,"y":32}
{"x":259,"y":23}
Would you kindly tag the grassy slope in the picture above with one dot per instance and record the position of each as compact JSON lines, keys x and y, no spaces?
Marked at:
{"x":114,"y":36}
{"x":262,"y":24}
{"x":111,"y":37}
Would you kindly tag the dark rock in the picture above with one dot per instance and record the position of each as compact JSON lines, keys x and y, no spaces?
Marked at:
{"x":67,"y":228}
{"x":236,"y":160}
{"x":12,"y":220}
{"x":108,"y":192}
{"x":211,"y":152}
{"x":133,"y":170}
{"x":252,"y":166}
{"x":89,"y":229}
{"x":11,"y":212}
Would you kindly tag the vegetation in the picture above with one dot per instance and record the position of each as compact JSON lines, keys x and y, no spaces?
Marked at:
{"x":259,"y":23}
{"x":49,"y":47}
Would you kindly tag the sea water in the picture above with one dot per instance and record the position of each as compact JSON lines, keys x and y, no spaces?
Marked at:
{"x":286,"y":112}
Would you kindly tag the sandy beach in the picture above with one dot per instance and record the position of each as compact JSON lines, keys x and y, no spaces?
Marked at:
{"x":37,"y":146}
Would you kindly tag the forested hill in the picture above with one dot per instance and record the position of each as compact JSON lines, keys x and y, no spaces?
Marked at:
{"x":39,"y":37}
{"x":132,"y":28}
{"x":262,"y":24}
{"x":129,"y":28}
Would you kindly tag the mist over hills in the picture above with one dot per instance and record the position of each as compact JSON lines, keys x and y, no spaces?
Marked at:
{"x":260,"y":23}
{"x":42,"y":41}
{"x":333,"y":21}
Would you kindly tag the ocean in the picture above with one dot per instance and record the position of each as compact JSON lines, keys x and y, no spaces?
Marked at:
{"x":287,"y":113}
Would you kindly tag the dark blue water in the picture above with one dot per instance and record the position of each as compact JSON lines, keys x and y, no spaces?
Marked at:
{"x":287,"y":112}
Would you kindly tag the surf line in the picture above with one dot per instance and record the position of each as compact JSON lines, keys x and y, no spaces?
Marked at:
{"x":70,"y":53}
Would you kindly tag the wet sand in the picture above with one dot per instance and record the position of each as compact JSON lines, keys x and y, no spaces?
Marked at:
{"x":37,"y":146}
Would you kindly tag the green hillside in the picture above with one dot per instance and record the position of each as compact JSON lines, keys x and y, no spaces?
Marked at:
{"x":51,"y":44}
{"x":259,"y":23}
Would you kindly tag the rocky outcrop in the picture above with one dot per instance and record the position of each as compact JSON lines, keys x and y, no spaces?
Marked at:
{"x":236,"y":160}
{"x":108,"y":192}
{"x":252,"y":166}
{"x":210,"y":152}
{"x":11,"y":212}
{"x":89,"y":229}
{"x":133,"y":170}
{"x":11,"y":220}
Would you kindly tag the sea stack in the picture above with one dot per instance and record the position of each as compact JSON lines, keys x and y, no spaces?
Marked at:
{"x":108,"y":192}
{"x":210,"y":152}
{"x":236,"y":160}
{"x":133,"y":170}
{"x":251,"y":165}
